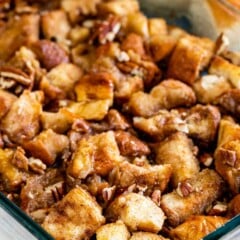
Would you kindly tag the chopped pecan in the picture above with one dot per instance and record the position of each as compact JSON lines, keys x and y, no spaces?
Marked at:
{"x":129,"y":145}
{"x":206,"y":159}
{"x":10,"y":77}
{"x":222,"y":43}
{"x":36,"y":165}
{"x":108,"y":193}
{"x":184,"y":188}
{"x":116,"y":120}
{"x":49,"y":53}
{"x":220,"y":208}
{"x":106,"y":31}
{"x":156,"y":197}
{"x":19,"y":159}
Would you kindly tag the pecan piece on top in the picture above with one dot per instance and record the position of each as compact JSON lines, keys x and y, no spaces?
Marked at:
{"x":129,"y":145}
{"x":106,"y":31}
{"x":49,"y":53}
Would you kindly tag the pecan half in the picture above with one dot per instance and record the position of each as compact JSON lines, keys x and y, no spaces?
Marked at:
{"x":184,"y":189}
{"x":106,"y":31}
{"x":49,"y":53}
{"x":37,"y":165}
{"x":108,"y":193}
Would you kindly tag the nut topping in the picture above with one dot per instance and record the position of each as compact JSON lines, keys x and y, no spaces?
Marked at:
{"x":184,"y":189}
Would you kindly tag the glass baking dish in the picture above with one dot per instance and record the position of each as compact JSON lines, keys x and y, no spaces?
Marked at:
{"x":15,"y":224}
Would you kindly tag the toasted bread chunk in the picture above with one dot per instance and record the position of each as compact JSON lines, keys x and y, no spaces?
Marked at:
{"x":89,"y":110}
{"x":177,"y":150}
{"x":60,"y":81}
{"x":146,"y":236}
{"x":222,"y":67}
{"x":161,"y":46}
{"x":11,"y":176}
{"x":234,"y":206}
{"x":137,"y":212}
{"x":76,"y":216}
{"x":168,"y":94}
{"x":192,"y":197}
{"x":59,"y":122}
{"x":203,"y":122}
{"x":151,"y":177}
{"x":230,"y":101}
{"x":6,"y":101}
{"x":133,"y":42}
{"x":21,"y":123}
{"x":227,"y":154}
{"x":113,"y":231}
{"x":157,"y":26}
{"x":208,"y":88}
{"x":78,"y":8}
{"x":95,"y":86}
{"x":19,"y":31}
{"x":98,"y":153}
{"x":189,"y":57}
{"x":161,"y":125}
{"x":52,"y":30}
{"x":47,"y":145}
{"x":118,"y":7}
{"x":197,"y":227}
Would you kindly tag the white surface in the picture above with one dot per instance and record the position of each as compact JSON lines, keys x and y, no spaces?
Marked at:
{"x":10,"y":229}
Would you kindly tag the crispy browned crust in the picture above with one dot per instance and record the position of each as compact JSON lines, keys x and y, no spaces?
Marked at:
{"x":197,"y":227}
{"x":205,"y":187}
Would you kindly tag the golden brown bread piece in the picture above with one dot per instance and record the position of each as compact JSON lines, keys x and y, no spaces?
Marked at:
{"x":89,"y":110}
{"x":222,"y":67}
{"x":113,"y":231}
{"x":133,"y":42}
{"x":47,"y":146}
{"x":168,"y":94}
{"x":178,"y":151}
{"x":150,"y":177}
{"x":51,"y":30}
{"x":76,"y":216}
{"x":59,"y":121}
{"x":229,"y":101}
{"x":163,"y":124}
{"x":234,"y":206}
{"x":11,"y":175}
{"x":17,"y":32}
{"x":95,"y":86}
{"x":97,"y":153}
{"x":119,"y":7}
{"x":60,"y":81}
{"x":189,"y":57}
{"x":137,"y":212}
{"x":208,"y":88}
{"x":161,"y":46}
{"x":197,"y":227}
{"x":202,"y":123}
{"x":6,"y":101}
{"x":192,"y":196}
{"x":227,"y":154}
{"x":26,"y":109}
